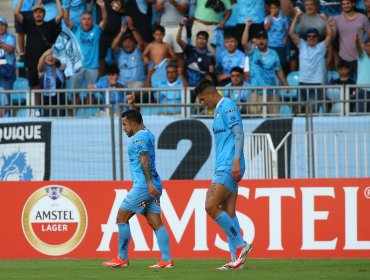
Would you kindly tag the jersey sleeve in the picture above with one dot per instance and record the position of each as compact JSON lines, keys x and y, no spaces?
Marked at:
{"x":232,"y":115}
{"x":140,"y":144}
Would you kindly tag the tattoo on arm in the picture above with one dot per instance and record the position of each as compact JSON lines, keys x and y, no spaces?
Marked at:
{"x":211,"y":190}
{"x":146,"y":167}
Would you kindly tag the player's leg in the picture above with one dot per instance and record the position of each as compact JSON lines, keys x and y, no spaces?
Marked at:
{"x":221,"y":188}
{"x":132,"y":204}
{"x":229,"y":208}
{"x":155,"y":221}
{"x":124,"y":236}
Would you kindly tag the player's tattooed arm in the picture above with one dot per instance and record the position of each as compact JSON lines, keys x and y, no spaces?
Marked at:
{"x":144,"y":160}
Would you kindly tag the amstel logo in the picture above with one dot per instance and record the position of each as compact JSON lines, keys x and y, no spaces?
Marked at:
{"x":54,"y":220}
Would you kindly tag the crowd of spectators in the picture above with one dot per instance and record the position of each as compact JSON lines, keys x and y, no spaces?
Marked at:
{"x":175,"y":43}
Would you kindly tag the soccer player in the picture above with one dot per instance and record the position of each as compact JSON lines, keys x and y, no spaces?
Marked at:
{"x":222,"y":194}
{"x":144,"y":197}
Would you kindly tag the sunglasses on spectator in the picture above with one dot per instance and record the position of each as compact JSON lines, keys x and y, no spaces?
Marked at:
{"x":235,"y":75}
{"x":312,"y":36}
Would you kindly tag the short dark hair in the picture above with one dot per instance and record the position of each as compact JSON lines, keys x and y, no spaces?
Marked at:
{"x":237,"y":69}
{"x":172,"y":64}
{"x":344,"y":64}
{"x":230,"y":35}
{"x":111,"y":69}
{"x":159,"y":28}
{"x":202,"y":85}
{"x":133,"y":115}
{"x":274,"y":2}
{"x":203,"y":33}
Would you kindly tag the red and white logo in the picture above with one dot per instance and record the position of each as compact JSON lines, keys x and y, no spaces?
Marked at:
{"x":54,"y":220}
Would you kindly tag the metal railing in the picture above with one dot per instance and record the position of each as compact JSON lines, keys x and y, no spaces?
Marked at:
{"x":279,"y":101}
{"x":339,"y":154}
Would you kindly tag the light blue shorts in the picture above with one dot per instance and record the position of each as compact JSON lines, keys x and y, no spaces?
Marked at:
{"x":225,"y":178}
{"x":138,"y":200}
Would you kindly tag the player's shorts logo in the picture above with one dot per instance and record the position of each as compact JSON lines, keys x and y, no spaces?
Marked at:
{"x":157,"y":201}
{"x":144,"y":203}
{"x":54,"y":220}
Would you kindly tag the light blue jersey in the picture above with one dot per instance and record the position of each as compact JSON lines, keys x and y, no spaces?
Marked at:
{"x":131,"y":66}
{"x":143,"y":142}
{"x":89,"y":44}
{"x":27,"y":6}
{"x":311,"y":62}
{"x":278,"y":31}
{"x":250,"y":9}
{"x":237,"y":95}
{"x":168,"y":96}
{"x":263,"y":67}
{"x":115,"y":97}
{"x":226,"y":116}
{"x":8,"y":39}
{"x":229,"y":61}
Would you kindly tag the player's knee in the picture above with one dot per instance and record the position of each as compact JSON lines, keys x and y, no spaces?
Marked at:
{"x":210,"y":209}
{"x":155,"y":224}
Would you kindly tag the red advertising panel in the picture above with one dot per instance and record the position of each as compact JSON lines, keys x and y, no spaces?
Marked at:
{"x":282,"y":218}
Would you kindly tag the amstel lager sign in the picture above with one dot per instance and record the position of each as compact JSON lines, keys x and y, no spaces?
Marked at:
{"x":54,"y":220}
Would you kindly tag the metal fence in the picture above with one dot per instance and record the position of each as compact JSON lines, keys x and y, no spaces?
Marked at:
{"x":329,"y":155}
{"x":326,"y":154}
{"x":255,"y":102}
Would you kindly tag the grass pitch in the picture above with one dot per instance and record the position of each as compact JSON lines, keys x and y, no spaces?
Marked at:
{"x":300,"y":269}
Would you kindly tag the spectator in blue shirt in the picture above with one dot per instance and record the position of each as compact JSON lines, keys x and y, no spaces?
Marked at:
{"x":231,"y":57}
{"x":88,"y":35}
{"x":238,"y":95}
{"x":112,"y":81}
{"x":128,"y":56}
{"x":277,"y":27}
{"x":175,"y":79}
{"x":51,"y":77}
{"x":7,"y":56}
{"x":264,"y":68}
{"x":312,"y":69}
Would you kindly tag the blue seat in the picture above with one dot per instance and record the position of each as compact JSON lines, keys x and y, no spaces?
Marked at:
{"x":20,"y":84}
{"x":293,"y":80}
{"x":100,"y":96}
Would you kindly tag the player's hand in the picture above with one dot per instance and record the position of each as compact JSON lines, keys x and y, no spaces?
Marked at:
{"x":152,"y":190}
{"x":235,"y":170}
{"x":130,"y":98}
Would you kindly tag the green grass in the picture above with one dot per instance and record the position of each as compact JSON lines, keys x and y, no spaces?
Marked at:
{"x":300,"y":269}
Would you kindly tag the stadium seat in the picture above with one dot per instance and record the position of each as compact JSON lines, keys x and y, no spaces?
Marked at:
{"x":293,"y":80}
{"x":20,"y":97}
{"x":100,"y":96}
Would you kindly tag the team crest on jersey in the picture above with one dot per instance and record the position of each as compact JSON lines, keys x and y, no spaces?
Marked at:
{"x":25,"y":151}
{"x":54,"y":220}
